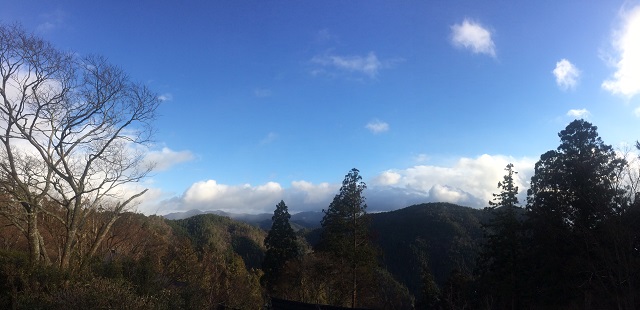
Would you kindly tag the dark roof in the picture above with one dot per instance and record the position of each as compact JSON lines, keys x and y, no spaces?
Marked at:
{"x":281,"y":304}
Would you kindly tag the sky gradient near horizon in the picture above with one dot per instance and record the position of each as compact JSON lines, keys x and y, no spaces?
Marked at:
{"x":430,"y":100}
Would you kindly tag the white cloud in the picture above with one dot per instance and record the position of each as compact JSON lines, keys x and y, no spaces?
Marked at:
{"x":368,"y":65}
{"x":377,"y":126}
{"x":470,"y":181}
{"x":626,"y":42}
{"x":245,"y":198}
{"x":150,"y":202}
{"x":166,"y":158}
{"x":636,"y":112}
{"x":579,"y":113}
{"x":473,"y":36}
{"x":209,"y":195}
{"x":312,"y":194}
{"x":449,"y":194}
{"x":387,"y":178}
{"x":567,"y":74}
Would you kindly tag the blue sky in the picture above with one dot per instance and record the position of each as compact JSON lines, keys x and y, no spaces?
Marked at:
{"x":270,"y":100}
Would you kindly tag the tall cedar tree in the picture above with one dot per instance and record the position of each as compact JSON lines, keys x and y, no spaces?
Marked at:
{"x":575,"y":194}
{"x":345,"y":232}
{"x":501,"y":256}
{"x":281,"y":245}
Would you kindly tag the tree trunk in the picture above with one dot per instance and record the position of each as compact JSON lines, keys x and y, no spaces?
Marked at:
{"x":65,"y":260}
{"x":74,"y":222}
{"x":34,"y":241}
{"x":43,"y":250}
{"x":99,"y":238}
{"x":355,"y":289}
{"x":355,"y":257}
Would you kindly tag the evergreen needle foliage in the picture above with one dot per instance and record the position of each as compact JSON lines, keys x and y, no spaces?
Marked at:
{"x":281,"y":245}
{"x":500,"y":262}
{"x":345,"y":232}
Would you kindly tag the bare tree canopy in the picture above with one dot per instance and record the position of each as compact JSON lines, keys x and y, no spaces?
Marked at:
{"x":73,"y":131}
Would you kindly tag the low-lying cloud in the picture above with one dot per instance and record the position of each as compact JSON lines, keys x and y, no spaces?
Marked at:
{"x":468,"y":182}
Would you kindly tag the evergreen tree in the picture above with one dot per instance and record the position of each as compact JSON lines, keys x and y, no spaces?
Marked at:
{"x":456,"y":291}
{"x":345,"y":232}
{"x":574,"y":196}
{"x":500,"y":263}
{"x":430,"y":292}
{"x":281,"y":245}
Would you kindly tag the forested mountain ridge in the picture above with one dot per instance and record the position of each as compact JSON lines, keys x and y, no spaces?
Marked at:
{"x":220,"y":233}
{"x":445,"y":234}
{"x":300,"y":220}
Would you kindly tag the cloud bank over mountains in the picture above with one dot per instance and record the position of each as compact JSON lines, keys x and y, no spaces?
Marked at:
{"x":469,"y":182}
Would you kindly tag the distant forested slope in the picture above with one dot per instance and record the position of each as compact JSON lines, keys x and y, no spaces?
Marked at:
{"x":220,"y":233}
{"x":446,"y":234}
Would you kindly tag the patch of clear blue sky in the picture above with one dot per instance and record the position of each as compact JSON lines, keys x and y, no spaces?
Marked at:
{"x":239,"y":72}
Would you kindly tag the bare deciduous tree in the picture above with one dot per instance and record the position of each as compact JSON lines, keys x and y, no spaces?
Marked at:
{"x":72,"y":132}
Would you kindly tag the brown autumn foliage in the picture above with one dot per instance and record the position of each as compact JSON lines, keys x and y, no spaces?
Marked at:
{"x":145,"y":262}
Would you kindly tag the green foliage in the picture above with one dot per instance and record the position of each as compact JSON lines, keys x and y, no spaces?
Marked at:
{"x":96,"y":293}
{"x":345,"y":231}
{"x":316,"y":278}
{"x":575,"y":186}
{"x":576,"y":206}
{"x":430,"y":294}
{"x":210,"y":232}
{"x":387,"y":292}
{"x":345,"y":223}
{"x":508,"y":196}
{"x":281,"y":244}
{"x":22,"y":284}
{"x":501,"y":262}
{"x":456,"y":291}
{"x":435,"y":236}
